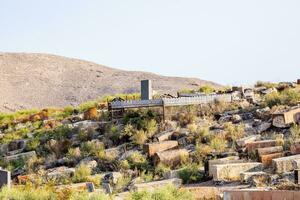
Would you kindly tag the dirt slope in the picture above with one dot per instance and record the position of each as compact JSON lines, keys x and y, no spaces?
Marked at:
{"x":40,"y":80}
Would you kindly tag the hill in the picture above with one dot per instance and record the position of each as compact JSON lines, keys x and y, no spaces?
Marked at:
{"x":30,"y":80}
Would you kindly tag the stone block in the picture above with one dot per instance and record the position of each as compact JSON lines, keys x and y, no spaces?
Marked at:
{"x":152,"y":148}
{"x":295,"y":149}
{"x":172,"y":174}
{"x":151,"y":186}
{"x":232,"y":171}
{"x":86,"y":186}
{"x":266,"y":160}
{"x":243,"y":141}
{"x":260,"y":144}
{"x":25,"y":156}
{"x":163,"y":136}
{"x":261,"y":195}
{"x":170,"y":157}
{"x":263,"y":127}
{"x":269,"y":150}
{"x":17,"y":145}
{"x":60,"y":172}
{"x":90,"y":187}
{"x":227,"y":160}
{"x":248,"y":177}
{"x":146,"y":90}
{"x":286,"y":117}
{"x":5,"y":178}
{"x":284,"y":164}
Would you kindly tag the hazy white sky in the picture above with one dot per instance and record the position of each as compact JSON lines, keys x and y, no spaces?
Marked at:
{"x":227,"y":41}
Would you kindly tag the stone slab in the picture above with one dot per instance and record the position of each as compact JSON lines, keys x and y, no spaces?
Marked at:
{"x":260,"y":144}
{"x":232,"y":171}
{"x":25,"y":155}
{"x":227,"y":160}
{"x":151,"y":186}
{"x":284,"y":164}
{"x":152,"y":148}
{"x":269,"y":150}
{"x":243,"y":141}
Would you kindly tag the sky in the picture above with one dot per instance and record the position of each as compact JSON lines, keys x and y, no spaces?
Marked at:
{"x":229,"y":42}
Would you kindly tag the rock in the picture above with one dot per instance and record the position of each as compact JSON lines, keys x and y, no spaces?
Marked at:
{"x":243,"y":141}
{"x":3,"y":149}
{"x":295,"y":149}
{"x":86,"y":186}
{"x":17,"y":145}
{"x":263,"y":113}
{"x":172,"y":174}
{"x":225,"y":118}
{"x":227,"y":160}
{"x":249,"y":177}
{"x":263,"y":127}
{"x":87,"y":124}
{"x":112,"y":177}
{"x":170,"y":157}
{"x":267,"y":158}
{"x":171,"y":124}
{"x":285,"y":118}
{"x":60,"y":172}
{"x":152,"y":148}
{"x":151,"y":186}
{"x":92,"y":164}
{"x":236,"y":118}
{"x":232,"y":171}
{"x":284,"y":164}
{"x":163,"y":136}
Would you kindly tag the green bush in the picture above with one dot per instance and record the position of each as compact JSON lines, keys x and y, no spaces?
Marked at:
{"x":286,"y":97}
{"x":32,"y":144}
{"x":139,"y":137}
{"x":138,"y":161}
{"x":206,"y":89}
{"x":265,"y":84}
{"x":82,"y":172}
{"x":218,"y":143}
{"x":151,"y":127}
{"x":234,"y":132}
{"x":190,"y":173}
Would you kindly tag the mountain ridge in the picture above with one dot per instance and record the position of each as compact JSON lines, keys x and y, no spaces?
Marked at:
{"x":38,"y":80}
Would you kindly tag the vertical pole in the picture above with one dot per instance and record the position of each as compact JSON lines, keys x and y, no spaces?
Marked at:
{"x":163,"y":105}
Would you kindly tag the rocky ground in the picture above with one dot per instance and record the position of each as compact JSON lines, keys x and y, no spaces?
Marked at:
{"x":251,"y":143}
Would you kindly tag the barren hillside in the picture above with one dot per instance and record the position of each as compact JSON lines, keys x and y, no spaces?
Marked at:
{"x":42,"y":80}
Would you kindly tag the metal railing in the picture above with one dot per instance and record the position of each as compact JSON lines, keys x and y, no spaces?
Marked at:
{"x":181,"y":101}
